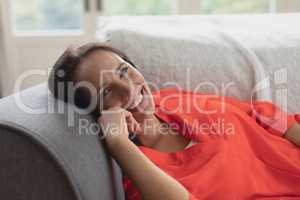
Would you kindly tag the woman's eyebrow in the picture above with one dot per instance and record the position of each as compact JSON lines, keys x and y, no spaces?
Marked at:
{"x":120,"y":65}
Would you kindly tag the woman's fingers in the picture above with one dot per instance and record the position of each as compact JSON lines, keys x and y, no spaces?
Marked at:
{"x":130,"y":121}
{"x":133,"y":125}
{"x":113,"y":122}
{"x":116,"y":123}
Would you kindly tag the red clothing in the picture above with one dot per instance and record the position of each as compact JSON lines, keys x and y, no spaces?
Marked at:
{"x":240,"y":154}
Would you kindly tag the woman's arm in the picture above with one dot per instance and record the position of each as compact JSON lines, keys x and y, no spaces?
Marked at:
{"x":293,"y":134}
{"x":151,"y":181}
{"x":281,"y":123}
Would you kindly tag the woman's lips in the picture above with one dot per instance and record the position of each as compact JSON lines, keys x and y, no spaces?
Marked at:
{"x":139,"y":100}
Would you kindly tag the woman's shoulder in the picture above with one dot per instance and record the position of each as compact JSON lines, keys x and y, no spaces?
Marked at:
{"x":166,"y":90}
{"x":169,"y":93}
{"x":176,"y":90}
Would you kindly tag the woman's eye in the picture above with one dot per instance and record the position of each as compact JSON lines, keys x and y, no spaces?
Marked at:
{"x":123,"y":71}
{"x":106,"y":92}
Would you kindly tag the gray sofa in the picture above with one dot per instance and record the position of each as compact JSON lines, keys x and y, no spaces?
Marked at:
{"x":42,"y":157}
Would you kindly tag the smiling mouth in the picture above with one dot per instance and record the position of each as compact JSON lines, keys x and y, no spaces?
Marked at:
{"x":139,"y":99}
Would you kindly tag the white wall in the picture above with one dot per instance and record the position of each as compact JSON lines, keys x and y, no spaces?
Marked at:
{"x":6,"y":70}
{"x":2,"y":56}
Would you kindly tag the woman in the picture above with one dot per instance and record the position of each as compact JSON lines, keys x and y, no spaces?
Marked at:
{"x":182,"y":152}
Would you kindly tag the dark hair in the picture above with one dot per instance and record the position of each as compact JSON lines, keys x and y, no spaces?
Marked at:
{"x":63,"y":70}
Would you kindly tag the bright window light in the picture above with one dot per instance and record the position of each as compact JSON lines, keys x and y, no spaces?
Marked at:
{"x":234,"y":6}
{"x":45,"y":15}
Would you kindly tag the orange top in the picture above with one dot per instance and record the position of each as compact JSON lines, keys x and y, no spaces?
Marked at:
{"x":240,"y":153}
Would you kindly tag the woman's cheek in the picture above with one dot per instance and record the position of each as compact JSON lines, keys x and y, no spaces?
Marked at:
{"x":119,"y":95}
{"x":113,"y":103}
{"x":117,"y":100}
{"x":122,"y":96}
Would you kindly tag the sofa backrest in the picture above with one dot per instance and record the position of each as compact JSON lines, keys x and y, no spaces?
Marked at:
{"x":245,"y":56}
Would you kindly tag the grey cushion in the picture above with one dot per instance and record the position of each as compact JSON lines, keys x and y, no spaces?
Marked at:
{"x":227,"y":55}
{"x":46,"y":155}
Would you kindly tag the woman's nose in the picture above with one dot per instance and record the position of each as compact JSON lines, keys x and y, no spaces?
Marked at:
{"x":135,"y":77}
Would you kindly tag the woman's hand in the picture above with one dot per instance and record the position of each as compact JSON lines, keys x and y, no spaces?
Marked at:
{"x":293,"y":134}
{"x":116,"y":123}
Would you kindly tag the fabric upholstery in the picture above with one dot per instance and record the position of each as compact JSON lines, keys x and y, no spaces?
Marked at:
{"x":77,"y":157}
{"x":238,"y":51}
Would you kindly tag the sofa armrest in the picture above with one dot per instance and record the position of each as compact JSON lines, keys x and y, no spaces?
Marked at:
{"x":43,"y":156}
{"x":27,"y":169}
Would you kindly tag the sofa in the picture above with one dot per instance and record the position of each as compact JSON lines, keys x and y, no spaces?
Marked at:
{"x":50,"y":151}
{"x":42,"y":156}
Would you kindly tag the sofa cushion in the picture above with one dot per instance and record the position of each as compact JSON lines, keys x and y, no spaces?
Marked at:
{"x":245,"y":56}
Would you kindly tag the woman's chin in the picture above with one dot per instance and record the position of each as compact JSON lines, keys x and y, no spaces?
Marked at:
{"x":145,"y":106}
{"x":142,"y":109}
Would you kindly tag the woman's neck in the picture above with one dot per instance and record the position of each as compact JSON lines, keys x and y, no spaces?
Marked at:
{"x":150,"y":125}
{"x":158,"y":135}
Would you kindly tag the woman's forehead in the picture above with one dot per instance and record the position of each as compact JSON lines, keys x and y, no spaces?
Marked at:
{"x":104,"y":59}
{"x":98,"y":66}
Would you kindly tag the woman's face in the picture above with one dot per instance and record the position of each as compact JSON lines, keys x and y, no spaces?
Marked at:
{"x":118,"y":83}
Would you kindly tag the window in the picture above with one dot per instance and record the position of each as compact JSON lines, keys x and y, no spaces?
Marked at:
{"x":288,"y":5}
{"x":235,"y":6}
{"x":165,"y":7}
{"x":57,"y":15}
{"x":138,"y":7}
{"x":41,"y":15}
